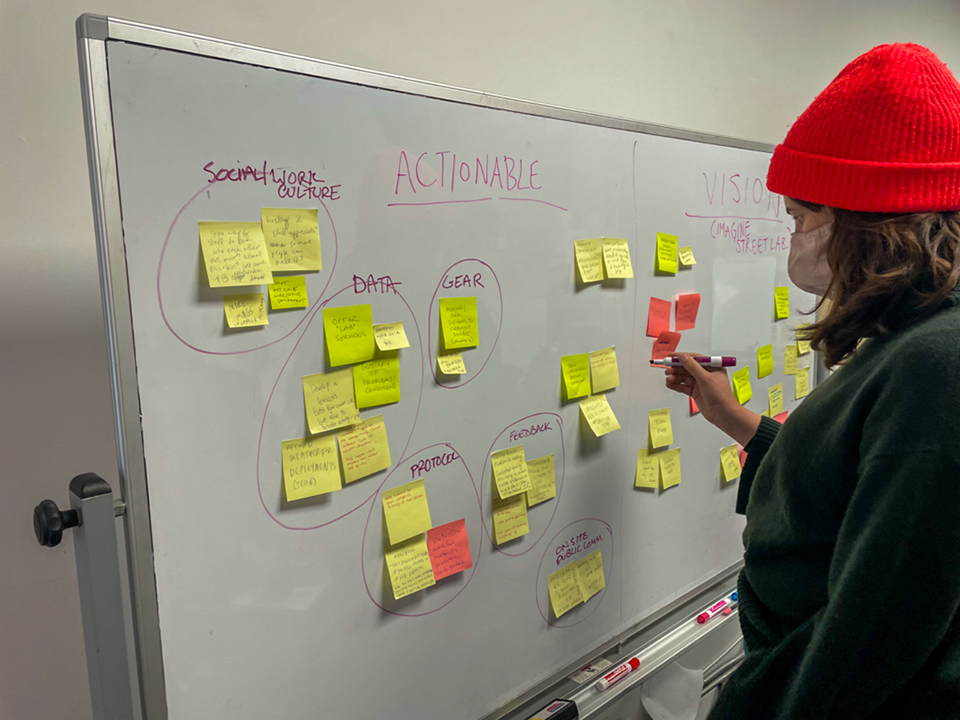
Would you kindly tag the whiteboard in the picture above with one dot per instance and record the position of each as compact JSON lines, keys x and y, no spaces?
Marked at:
{"x":275,"y":609}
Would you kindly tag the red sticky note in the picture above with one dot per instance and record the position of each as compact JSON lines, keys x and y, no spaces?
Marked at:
{"x":449,"y":549}
{"x":782,"y":417}
{"x":693,"y":406}
{"x":665,"y":345}
{"x":658,"y":318}
{"x":687,"y":308}
{"x":743,"y":455}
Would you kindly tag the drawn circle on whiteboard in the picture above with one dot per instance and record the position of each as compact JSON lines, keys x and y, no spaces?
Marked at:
{"x":284,"y":418}
{"x":567,"y":546}
{"x":464,"y":283}
{"x":202,"y":315}
{"x":439,"y":465}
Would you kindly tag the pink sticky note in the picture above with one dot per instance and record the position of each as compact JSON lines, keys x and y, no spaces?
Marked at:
{"x":782,"y":417}
{"x":693,"y":406}
{"x":687,"y":308}
{"x":665,"y":345}
{"x":743,"y":455}
{"x":658,"y":318}
{"x":449,"y":549}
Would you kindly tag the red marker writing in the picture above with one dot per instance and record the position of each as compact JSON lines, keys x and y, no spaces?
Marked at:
{"x":617,"y":673}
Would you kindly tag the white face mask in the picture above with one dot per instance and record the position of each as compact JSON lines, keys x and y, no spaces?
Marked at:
{"x":807,"y":265}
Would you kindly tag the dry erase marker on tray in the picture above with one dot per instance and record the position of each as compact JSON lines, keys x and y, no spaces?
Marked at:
{"x":617,"y":673}
{"x":718,"y":607}
{"x":557,"y":710}
{"x":711,"y":361}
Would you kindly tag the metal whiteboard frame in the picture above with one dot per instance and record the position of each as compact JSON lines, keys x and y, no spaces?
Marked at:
{"x":93,"y":32}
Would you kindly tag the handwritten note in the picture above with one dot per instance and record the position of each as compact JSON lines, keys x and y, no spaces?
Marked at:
{"x":328,"y":399}
{"x":665,"y":345}
{"x":364,"y":449}
{"x":648,"y":470}
{"x":458,"y":321}
{"x":782,"y":300}
{"x":667,"y":253}
{"x":349,"y":334}
{"x":669,"y":468}
{"x":409,"y":567}
{"x":660,"y":428}
{"x":575,"y":370}
{"x":390,"y":336}
{"x":589,"y":256}
{"x":451,"y":363}
{"x":293,"y":238}
{"x":564,"y":590}
{"x":599,"y":415}
{"x":658,"y":317}
{"x":616,"y":258}
{"x":590,"y":575}
{"x":686,"y":256}
{"x":687,"y":308}
{"x":741,"y":385}
{"x":289,"y":292}
{"x":510,"y":471}
{"x":604,"y":373}
{"x":730,"y":462}
{"x":543,"y":480}
{"x":246,"y":310}
{"x":377,"y":382}
{"x":510,"y":518}
{"x":310,"y":467}
{"x":803,"y":346}
{"x":406,"y":511}
{"x":790,"y":360}
{"x":775,"y":399}
{"x":764,"y":361}
{"x":801,"y":383}
{"x":234,"y":254}
{"x":449,"y":549}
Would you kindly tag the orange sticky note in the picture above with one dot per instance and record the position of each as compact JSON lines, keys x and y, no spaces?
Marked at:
{"x":449,"y":549}
{"x":665,"y":345}
{"x":658,"y":317}
{"x":687,"y":308}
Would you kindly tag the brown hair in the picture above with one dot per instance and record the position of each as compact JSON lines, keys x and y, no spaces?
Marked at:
{"x":889,"y":272}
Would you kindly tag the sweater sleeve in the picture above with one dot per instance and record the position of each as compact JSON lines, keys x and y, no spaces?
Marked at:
{"x":756,"y":450}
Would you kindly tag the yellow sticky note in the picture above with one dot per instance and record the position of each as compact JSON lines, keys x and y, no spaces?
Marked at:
{"x":510,"y":471}
{"x":590,"y":575}
{"x":288,"y":292}
{"x":234,"y":254}
{"x":245,"y":310}
{"x":364,"y":449}
{"x":564,"y":590}
{"x":803,"y":346}
{"x":686,"y":256}
{"x":782,"y":298}
{"x":661,"y":429}
{"x":589,"y":255}
{"x":406,"y":511}
{"x":648,"y":470}
{"x":764,"y":361}
{"x":377,"y":382}
{"x":775,"y":399}
{"x":669,"y":468}
{"x":730,"y":462}
{"x":616,"y":258}
{"x":451,"y":363}
{"x":349,"y":334}
{"x":390,"y":336}
{"x":510,"y":518}
{"x":604,"y":373}
{"x":741,"y":385}
{"x":765,"y":413}
{"x":543,"y":480}
{"x":409,"y":566}
{"x":328,"y":399}
{"x":801,"y":383}
{"x":667,"y":253}
{"x":790,"y":360}
{"x":458,"y":321}
{"x":293,"y":238}
{"x":310,"y":467}
{"x":599,"y":415}
{"x":575,"y":370}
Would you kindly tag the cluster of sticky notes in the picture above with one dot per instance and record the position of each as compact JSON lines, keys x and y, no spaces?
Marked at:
{"x":459,"y":329}
{"x":662,"y":467}
{"x":658,"y":322}
{"x":602,"y":258}
{"x":589,"y":373}
{"x":599,"y":415}
{"x":518,"y":483}
{"x":575,"y":583}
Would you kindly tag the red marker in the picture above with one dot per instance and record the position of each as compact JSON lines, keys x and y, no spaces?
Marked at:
{"x":617,"y":673}
{"x":718,"y":607}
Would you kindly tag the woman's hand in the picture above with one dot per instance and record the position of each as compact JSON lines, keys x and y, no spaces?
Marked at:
{"x":710,"y":389}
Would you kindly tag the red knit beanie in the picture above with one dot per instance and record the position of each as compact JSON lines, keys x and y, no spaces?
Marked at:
{"x":884,"y":136}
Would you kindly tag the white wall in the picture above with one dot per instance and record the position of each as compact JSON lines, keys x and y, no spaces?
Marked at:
{"x":743,"y":69}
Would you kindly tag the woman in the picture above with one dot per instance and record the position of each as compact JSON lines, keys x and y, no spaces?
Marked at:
{"x":850,"y":590}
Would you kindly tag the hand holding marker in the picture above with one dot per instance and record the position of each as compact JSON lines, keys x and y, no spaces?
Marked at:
{"x":714,"y":361}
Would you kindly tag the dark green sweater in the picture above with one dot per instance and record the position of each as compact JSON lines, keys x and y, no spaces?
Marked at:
{"x":850,"y":591}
